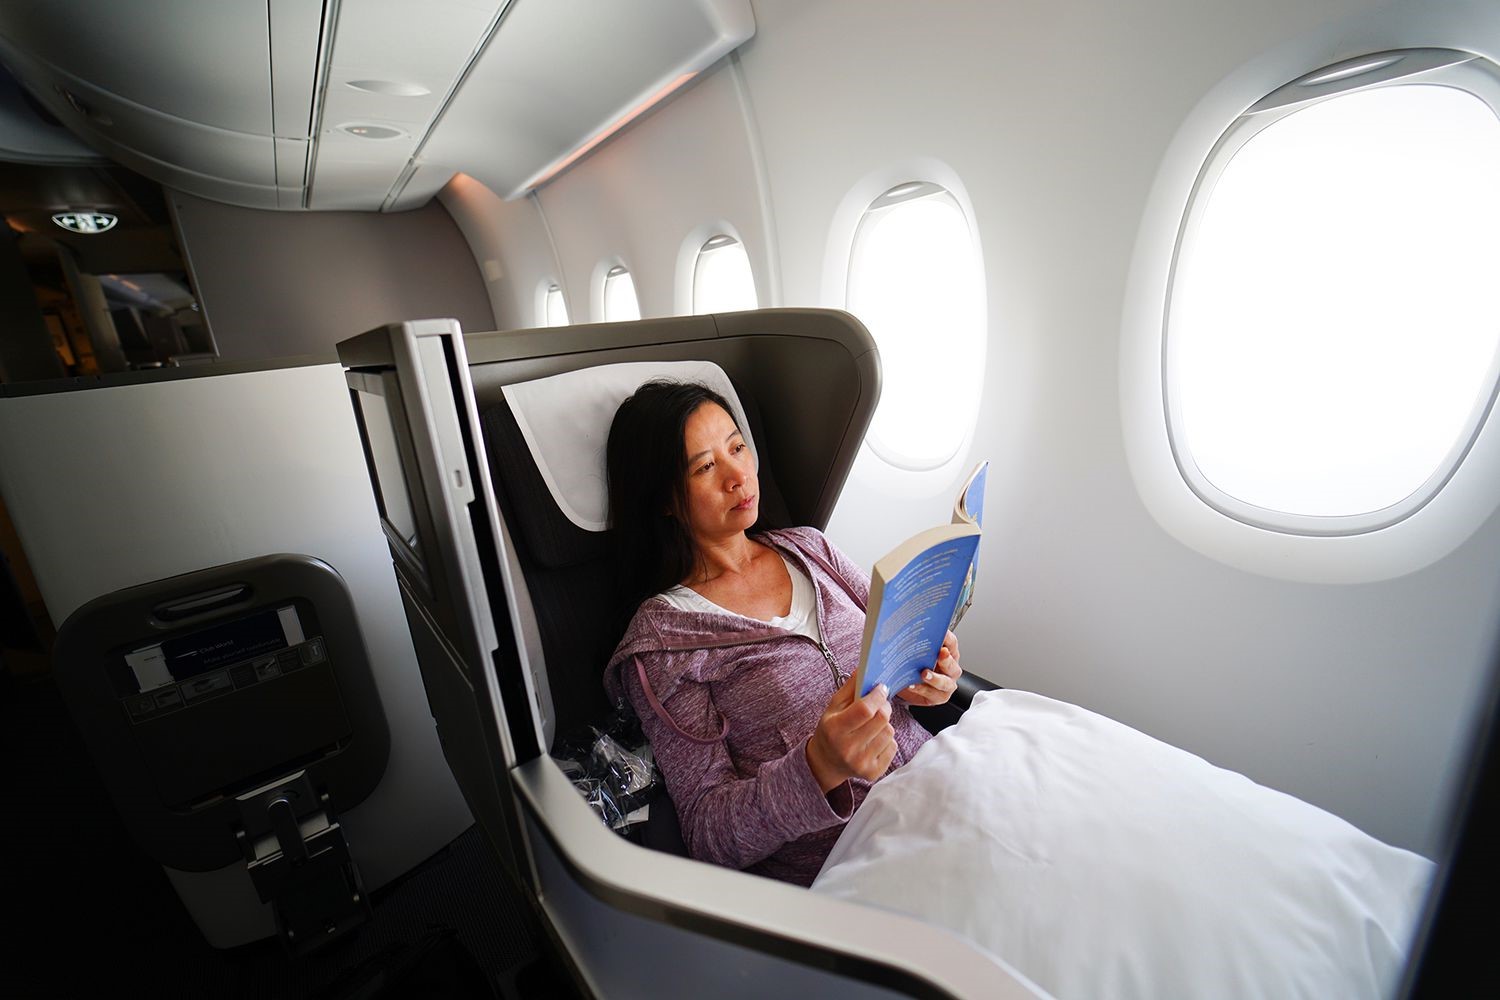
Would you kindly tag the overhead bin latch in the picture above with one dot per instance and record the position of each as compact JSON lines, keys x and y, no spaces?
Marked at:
{"x":295,"y":852}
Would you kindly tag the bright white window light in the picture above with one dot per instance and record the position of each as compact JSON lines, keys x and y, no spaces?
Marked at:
{"x":620,"y":303}
{"x":1335,"y":316}
{"x":916,"y":281}
{"x":554,"y":308}
{"x":722,"y":279}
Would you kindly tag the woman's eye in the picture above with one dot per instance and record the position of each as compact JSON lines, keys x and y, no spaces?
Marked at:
{"x":705,"y":467}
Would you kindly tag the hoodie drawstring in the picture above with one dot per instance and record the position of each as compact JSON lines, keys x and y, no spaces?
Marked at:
{"x":656,"y":707}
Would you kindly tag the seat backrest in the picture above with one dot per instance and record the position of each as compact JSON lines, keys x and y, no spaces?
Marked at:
{"x":806,"y":381}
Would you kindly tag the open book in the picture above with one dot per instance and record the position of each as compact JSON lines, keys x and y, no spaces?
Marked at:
{"x":919,"y":591}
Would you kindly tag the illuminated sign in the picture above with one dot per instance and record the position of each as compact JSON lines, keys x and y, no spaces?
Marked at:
{"x":85,"y":222}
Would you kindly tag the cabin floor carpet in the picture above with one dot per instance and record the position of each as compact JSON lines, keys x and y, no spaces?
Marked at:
{"x":89,"y":914}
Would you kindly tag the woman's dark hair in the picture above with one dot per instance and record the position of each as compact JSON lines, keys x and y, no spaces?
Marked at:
{"x":646,"y":470}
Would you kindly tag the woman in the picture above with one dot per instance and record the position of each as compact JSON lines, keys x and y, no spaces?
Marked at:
{"x":740,"y":654}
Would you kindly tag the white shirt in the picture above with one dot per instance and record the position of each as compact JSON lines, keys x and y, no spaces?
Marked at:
{"x":802,"y":618}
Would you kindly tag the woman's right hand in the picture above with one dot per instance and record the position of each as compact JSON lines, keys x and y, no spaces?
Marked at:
{"x":854,"y":738}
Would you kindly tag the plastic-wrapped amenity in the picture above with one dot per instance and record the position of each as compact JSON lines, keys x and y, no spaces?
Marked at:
{"x":614,"y":781}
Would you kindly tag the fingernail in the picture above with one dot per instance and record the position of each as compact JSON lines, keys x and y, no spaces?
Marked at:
{"x":882,"y":689}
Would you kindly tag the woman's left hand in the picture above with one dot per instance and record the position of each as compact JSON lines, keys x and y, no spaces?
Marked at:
{"x":939,"y":683}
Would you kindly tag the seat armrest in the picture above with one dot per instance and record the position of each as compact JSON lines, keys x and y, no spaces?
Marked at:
{"x":935,"y":718}
{"x":968,"y":686}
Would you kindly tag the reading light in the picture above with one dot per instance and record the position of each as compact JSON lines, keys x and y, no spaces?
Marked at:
{"x":85,"y":222}
{"x":371,"y":131}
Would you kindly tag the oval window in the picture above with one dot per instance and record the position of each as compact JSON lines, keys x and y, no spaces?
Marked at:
{"x":1332,"y":329}
{"x":620,"y":303}
{"x":722,"y":279}
{"x":554,"y":307}
{"x":915,"y":280}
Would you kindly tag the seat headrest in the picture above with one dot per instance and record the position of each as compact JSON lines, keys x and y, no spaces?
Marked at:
{"x":565,"y":421}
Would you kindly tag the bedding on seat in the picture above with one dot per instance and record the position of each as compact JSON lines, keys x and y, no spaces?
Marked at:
{"x":1100,"y":862}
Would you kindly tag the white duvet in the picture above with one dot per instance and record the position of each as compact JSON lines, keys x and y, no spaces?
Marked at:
{"x":1102,"y":863}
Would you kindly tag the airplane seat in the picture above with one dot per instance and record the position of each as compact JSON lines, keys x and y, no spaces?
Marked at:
{"x":233,"y":715}
{"x":478,"y":613}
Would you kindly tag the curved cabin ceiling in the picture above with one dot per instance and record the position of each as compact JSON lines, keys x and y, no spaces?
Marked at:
{"x":356,"y":104}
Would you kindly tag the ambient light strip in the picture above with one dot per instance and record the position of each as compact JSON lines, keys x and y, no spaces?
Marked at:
{"x":605,"y":133}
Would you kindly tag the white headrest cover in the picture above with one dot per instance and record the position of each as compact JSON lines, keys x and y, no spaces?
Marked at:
{"x":565,"y":420}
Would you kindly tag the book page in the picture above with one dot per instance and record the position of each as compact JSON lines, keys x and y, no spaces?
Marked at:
{"x":970,"y":508}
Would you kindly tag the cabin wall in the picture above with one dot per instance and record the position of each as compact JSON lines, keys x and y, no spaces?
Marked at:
{"x":287,"y":284}
{"x":1059,"y":121}
{"x":696,"y":158}
{"x":512,"y":245}
{"x":1057,"y":118}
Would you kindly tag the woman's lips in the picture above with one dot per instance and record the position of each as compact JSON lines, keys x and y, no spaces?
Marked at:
{"x":745,"y":504}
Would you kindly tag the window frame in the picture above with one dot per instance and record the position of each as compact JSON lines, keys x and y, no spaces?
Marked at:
{"x":544,"y":291}
{"x":1463,"y":71}
{"x":909,"y":190}
{"x":720,"y":240}
{"x":615,"y":270}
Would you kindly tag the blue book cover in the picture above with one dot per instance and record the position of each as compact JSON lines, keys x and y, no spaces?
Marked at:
{"x":917,"y":592}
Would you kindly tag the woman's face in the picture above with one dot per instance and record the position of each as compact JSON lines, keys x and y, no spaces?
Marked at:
{"x":722,"y":491}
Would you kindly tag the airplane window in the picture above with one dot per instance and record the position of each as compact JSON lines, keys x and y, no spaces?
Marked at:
{"x":916,"y":281}
{"x":620,"y":303}
{"x":554,"y":308}
{"x":722,"y":279}
{"x":1330,"y":343}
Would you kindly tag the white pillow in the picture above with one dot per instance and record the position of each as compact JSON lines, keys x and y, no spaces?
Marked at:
{"x":565,"y":421}
{"x":1100,"y":862}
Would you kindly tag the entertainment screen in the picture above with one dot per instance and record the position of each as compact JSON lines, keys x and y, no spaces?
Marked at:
{"x":380,"y":438}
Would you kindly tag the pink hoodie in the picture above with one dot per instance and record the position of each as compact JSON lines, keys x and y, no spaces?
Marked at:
{"x":735,"y":703}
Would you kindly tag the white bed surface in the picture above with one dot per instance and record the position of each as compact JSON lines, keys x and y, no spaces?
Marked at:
{"x":1103,"y":863}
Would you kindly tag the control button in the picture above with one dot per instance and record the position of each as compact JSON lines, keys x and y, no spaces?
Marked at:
{"x":242,"y":674}
{"x":288,"y":659}
{"x":312,"y":651}
{"x":169,"y":698}
{"x":141,"y":705}
{"x":267,"y":667}
{"x":208,"y":684}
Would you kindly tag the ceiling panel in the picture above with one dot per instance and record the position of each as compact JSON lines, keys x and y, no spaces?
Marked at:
{"x":411,"y":56}
{"x":559,"y":74}
{"x":295,"y":33}
{"x":258,"y":102}
{"x":205,"y":62}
